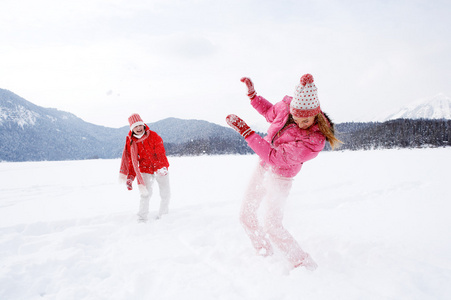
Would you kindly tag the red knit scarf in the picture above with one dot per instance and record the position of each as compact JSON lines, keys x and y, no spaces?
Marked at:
{"x":134,"y":158}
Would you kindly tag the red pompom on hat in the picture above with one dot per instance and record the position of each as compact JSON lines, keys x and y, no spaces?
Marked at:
{"x":305,"y":101}
{"x":135,"y":120}
{"x":307,"y":78}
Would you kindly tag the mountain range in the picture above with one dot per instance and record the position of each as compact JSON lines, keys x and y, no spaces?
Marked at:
{"x":29,"y":132}
{"x":32,"y":133}
{"x":435,"y":108}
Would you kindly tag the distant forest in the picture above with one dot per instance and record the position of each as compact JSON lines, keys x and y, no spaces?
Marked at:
{"x":400,"y":133}
{"x":210,"y":146}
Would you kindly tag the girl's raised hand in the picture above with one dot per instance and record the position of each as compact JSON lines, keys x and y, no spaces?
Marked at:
{"x":250,"y":87}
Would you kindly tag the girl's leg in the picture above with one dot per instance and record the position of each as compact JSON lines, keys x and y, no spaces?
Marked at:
{"x":144,"y":200}
{"x":248,"y":214}
{"x":279,"y":189}
{"x":165,"y":193}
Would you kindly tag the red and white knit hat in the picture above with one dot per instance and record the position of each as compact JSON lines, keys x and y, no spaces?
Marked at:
{"x":305,"y":102}
{"x":134,"y":121}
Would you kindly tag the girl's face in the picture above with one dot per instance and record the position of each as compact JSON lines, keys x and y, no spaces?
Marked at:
{"x":138,"y":130}
{"x":304,"y":123}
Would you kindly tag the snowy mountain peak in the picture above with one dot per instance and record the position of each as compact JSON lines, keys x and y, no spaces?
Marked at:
{"x":18,"y":114}
{"x":14,"y":109}
{"x":437,"y":107}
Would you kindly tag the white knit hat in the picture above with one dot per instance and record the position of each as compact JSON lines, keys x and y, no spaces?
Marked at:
{"x":135,"y":120}
{"x":305,"y":102}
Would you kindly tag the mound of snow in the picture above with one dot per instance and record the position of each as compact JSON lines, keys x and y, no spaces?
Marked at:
{"x":377,"y":225}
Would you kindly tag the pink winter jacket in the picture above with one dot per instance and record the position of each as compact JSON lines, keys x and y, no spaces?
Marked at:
{"x":284,"y":150}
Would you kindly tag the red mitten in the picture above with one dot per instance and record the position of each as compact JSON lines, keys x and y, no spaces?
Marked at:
{"x":239,"y":125}
{"x":250,"y":87}
{"x":129,"y":183}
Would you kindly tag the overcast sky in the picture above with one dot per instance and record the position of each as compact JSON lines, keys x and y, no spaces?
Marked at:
{"x":103,"y":60}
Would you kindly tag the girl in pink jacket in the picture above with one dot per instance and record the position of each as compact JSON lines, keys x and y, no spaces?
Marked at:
{"x":298,"y":132}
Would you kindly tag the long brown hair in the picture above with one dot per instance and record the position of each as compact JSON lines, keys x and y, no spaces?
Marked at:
{"x":327,"y":128}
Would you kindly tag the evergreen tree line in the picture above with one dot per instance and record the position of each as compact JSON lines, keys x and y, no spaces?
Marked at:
{"x":400,"y":133}
{"x":210,"y":146}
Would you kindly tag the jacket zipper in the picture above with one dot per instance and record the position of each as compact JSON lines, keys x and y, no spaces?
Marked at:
{"x":280,"y":132}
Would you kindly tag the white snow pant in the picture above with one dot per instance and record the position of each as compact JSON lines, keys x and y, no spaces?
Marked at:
{"x":276,"y":190}
{"x":165,"y":194}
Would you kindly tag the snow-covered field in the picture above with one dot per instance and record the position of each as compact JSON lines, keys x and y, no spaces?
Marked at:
{"x":377,"y":223}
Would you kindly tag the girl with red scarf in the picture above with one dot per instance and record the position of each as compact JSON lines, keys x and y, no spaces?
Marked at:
{"x":144,"y":158}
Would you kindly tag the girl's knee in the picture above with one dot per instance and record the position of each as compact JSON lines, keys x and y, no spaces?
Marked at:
{"x":248,"y":221}
{"x":272,"y":227}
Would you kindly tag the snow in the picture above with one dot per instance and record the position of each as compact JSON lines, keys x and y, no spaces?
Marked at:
{"x":376,"y":222}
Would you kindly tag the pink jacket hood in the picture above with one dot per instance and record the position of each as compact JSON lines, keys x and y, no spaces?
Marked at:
{"x":284,"y":150}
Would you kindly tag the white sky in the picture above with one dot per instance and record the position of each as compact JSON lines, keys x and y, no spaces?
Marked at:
{"x":105,"y":59}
